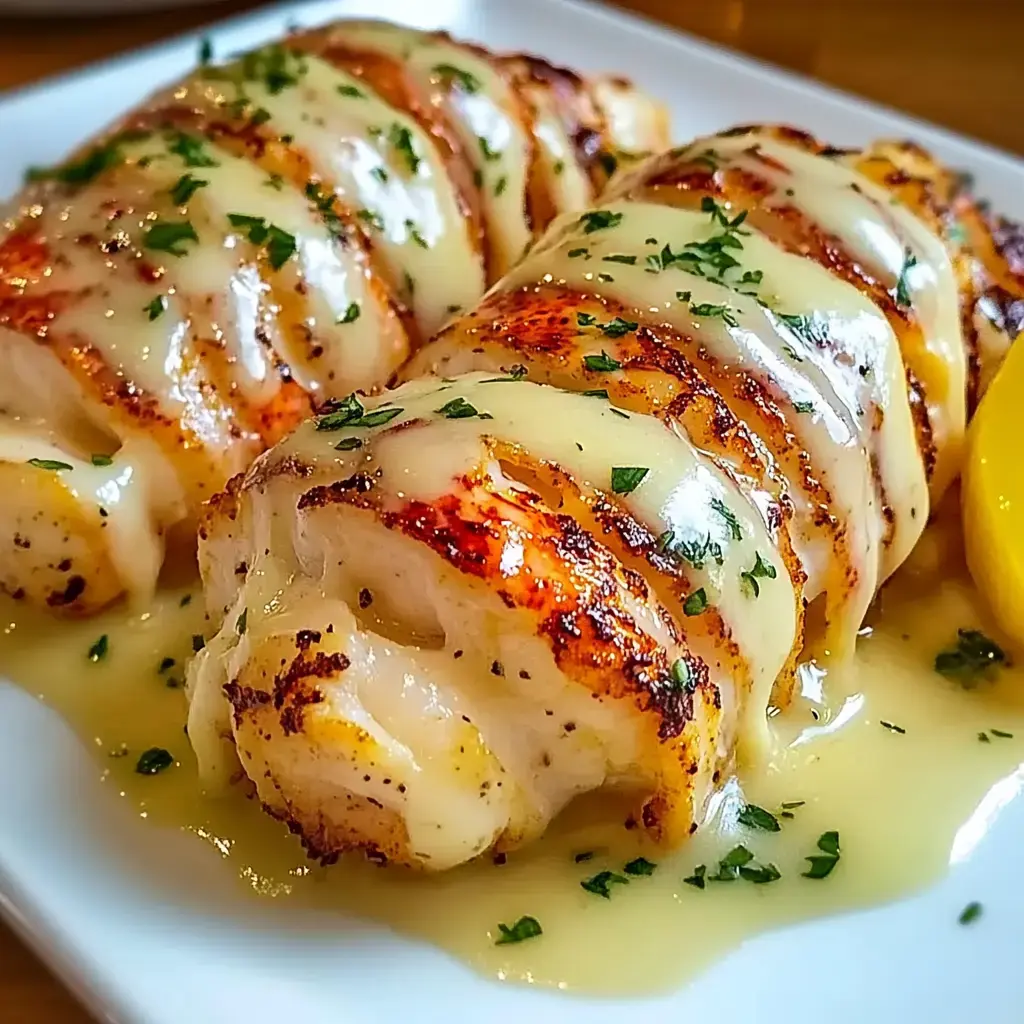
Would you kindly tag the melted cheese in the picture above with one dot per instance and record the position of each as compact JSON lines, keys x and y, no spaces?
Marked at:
{"x":485,"y":114}
{"x":836,"y":393}
{"x":905,"y":805}
{"x":883,"y":234}
{"x":585,"y":436}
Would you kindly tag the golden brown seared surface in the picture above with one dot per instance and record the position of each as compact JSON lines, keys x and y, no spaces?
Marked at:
{"x":292,"y":223}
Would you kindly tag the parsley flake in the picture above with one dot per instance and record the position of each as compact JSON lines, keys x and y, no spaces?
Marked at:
{"x":170,"y":236}
{"x":53,"y":465}
{"x":153,"y":761}
{"x":599,"y":220}
{"x":602,"y":363}
{"x":696,"y":603}
{"x":98,"y":651}
{"x":525,"y":928}
{"x":599,"y":884}
{"x":626,"y":479}
{"x":758,"y":818}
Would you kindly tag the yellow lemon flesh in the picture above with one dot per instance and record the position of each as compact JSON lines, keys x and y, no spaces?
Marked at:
{"x":993,"y":496}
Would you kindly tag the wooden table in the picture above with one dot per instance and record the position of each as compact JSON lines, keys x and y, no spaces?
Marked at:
{"x":956,"y":62}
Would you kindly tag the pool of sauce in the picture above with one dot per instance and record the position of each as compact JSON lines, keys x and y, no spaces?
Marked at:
{"x":898,"y":799}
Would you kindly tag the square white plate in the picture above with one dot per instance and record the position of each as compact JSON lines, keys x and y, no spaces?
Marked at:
{"x":96,"y":894}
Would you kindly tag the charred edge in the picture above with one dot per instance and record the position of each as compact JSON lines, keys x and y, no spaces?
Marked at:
{"x":287,"y":688}
{"x":337,"y":493}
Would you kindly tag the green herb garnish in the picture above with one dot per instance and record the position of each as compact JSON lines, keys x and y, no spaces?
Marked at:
{"x":758,"y":818}
{"x":599,"y":220}
{"x":400,"y":138}
{"x":974,"y":655}
{"x":626,"y":479}
{"x":98,"y":651}
{"x":153,"y":761}
{"x":761,"y":570}
{"x":599,"y":884}
{"x":186,"y":187}
{"x":525,"y":928}
{"x":821,"y":865}
{"x":602,"y":363}
{"x":696,"y":602}
{"x":53,"y":465}
{"x":170,"y":236}
{"x":903,"y":298}
{"x":449,"y":74}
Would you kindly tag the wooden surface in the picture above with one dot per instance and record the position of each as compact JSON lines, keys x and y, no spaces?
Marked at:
{"x":956,"y":62}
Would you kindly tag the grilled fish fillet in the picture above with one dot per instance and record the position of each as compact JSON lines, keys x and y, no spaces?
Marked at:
{"x":264,"y":234}
{"x":673,"y":451}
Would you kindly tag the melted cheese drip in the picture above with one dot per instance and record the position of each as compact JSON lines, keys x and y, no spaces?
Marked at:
{"x":839,"y":429}
{"x":880,"y":232}
{"x":904,"y":805}
{"x":412,"y":213}
{"x":678,"y":493}
{"x":484,"y":115}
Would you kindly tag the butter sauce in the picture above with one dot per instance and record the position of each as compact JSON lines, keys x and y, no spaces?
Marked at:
{"x":904,"y":803}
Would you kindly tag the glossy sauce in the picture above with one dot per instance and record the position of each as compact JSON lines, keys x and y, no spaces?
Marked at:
{"x":903,"y":804}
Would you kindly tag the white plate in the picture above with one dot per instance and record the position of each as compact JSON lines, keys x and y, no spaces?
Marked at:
{"x":134,"y":919}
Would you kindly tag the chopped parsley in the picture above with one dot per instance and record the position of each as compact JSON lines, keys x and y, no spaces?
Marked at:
{"x":80,"y":172}
{"x":739,"y":863}
{"x":400,"y":138}
{"x":758,"y":818}
{"x":348,"y":412}
{"x":681,"y":673}
{"x":903,"y":299}
{"x":380,"y":174}
{"x":599,"y":220}
{"x":602,"y":363}
{"x":371,"y":218}
{"x":639,"y":867}
{"x":449,"y":74}
{"x":170,"y":236}
{"x":809,"y":330}
{"x":973,"y":655}
{"x":98,"y":651}
{"x":595,"y":393}
{"x":698,"y":876}
{"x":351,"y":314}
{"x":761,"y":570}
{"x":348,"y":444}
{"x":727,"y":514}
{"x":101,"y":460}
{"x":153,"y":761}
{"x":892,"y":727}
{"x":696,"y":603}
{"x":618,"y":257}
{"x":525,"y":928}
{"x":706,"y":309}
{"x":803,"y":407}
{"x":278,"y":243}
{"x":999,"y":734}
{"x":415,"y":235}
{"x":580,"y":251}
{"x":516,"y":372}
{"x":186,"y":187}
{"x":696,"y":552}
{"x":155,"y":308}
{"x":351,"y":92}
{"x":617,"y":327}
{"x":53,"y":465}
{"x":190,"y":149}
{"x":821,"y":865}
{"x":970,"y":913}
{"x":600,"y":883}
{"x":626,"y":479}
{"x":459,"y":409}
{"x":500,"y":185}
{"x":490,"y":155}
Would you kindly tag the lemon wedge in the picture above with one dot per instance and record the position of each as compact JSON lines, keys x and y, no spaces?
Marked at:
{"x":993,"y":496}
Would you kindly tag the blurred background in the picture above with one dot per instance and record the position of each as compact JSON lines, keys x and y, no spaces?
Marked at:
{"x":954,"y":62}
